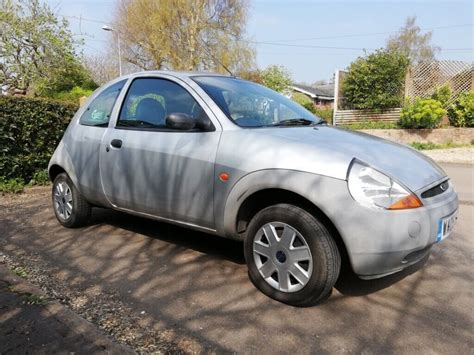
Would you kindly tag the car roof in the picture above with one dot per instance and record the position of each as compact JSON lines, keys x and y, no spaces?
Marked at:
{"x":178,"y":74}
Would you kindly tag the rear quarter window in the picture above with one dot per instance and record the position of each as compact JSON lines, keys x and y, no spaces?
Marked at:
{"x":98,"y":111}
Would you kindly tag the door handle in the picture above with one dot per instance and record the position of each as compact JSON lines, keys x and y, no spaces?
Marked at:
{"x":116,"y":143}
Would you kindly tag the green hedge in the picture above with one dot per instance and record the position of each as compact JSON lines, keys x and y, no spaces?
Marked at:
{"x":30,"y":130}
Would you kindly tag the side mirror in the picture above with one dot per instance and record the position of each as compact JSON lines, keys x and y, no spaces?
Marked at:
{"x":181,"y":121}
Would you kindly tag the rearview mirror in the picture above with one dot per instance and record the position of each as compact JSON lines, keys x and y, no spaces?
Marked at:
{"x":181,"y":121}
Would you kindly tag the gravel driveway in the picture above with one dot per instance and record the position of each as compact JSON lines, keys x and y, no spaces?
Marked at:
{"x":453,"y":155}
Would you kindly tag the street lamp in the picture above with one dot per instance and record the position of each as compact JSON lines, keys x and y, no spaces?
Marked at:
{"x":110,"y":29}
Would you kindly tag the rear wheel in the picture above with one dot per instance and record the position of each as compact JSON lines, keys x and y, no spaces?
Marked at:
{"x":70,"y":207}
{"x":291,"y":256}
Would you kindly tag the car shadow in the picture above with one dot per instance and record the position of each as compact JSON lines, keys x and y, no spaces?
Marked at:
{"x":209,"y":244}
{"x":348,"y":284}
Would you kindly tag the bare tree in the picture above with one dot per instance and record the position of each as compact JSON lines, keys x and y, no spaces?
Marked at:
{"x":185,"y":34}
{"x":412,"y":43}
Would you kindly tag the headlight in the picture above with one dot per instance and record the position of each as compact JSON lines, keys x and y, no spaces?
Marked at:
{"x":373,"y":189}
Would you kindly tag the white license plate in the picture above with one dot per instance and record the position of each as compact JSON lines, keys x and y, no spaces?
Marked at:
{"x":445,"y":226}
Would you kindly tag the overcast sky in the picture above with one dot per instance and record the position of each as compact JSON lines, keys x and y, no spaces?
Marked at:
{"x":301,"y":28}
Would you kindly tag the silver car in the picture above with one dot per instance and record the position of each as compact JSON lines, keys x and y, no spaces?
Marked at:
{"x":232,"y":158}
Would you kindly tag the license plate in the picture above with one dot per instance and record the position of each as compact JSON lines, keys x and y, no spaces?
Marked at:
{"x":445,"y":226}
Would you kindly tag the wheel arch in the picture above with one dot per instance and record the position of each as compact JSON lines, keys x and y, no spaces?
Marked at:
{"x":54,"y":170}
{"x":266,"y":197}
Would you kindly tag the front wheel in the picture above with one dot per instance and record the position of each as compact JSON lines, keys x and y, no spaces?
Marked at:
{"x":291,"y":256}
{"x":70,"y":207}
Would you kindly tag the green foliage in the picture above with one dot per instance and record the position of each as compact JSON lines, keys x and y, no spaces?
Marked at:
{"x":461,"y":112}
{"x":376,"y":81}
{"x":277,"y":78}
{"x":302,"y":99}
{"x":20,"y":271}
{"x":370,"y":125}
{"x":40,"y":178}
{"x":423,"y":113}
{"x":73,"y":95}
{"x":11,"y":185}
{"x":34,"y":300}
{"x":430,"y":145}
{"x":30,"y":130}
{"x":442,"y":94}
{"x":38,"y":50}
{"x":325,"y":113}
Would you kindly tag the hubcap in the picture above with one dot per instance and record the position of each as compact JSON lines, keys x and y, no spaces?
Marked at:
{"x":282,"y":257}
{"x":63,"y":200}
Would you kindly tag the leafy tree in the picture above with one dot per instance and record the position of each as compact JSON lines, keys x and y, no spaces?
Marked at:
{"x":277,"y":78}
{"x":376,"y":81}
{"x":412,"y":43}
{"x":185,"y":34}
{"x":37,"y":50}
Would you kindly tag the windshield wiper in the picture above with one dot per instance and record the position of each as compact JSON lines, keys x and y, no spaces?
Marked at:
{"x":296,"y":122}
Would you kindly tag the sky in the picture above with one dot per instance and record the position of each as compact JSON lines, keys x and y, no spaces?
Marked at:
{"x":312,"y":39}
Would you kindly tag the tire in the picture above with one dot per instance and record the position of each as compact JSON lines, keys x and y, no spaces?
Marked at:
{"x":304,"y":263}
{"x":70,"y":207}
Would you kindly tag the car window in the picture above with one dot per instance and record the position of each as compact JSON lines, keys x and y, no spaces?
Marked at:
{"x":99,"y":110}
{"x":252,"y":105}
{"x":150,"y":100}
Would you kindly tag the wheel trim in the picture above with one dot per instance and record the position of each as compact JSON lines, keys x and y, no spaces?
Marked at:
{"x":282,"y":257}
{"x":63,"y":200}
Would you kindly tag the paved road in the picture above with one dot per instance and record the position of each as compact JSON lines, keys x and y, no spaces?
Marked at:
{"x":197,"y":285}
{"x":463,"y":178}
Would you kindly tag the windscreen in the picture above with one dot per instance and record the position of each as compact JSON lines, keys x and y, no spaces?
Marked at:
{"x":252,"y":105}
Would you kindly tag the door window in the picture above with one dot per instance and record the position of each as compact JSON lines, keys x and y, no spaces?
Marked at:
{"x":99,"y":110}
{"x":150,"y":100}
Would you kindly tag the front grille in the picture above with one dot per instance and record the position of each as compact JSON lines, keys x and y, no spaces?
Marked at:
{"x":437,"y":190}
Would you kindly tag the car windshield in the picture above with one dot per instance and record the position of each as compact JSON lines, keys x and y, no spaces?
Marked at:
{"x":252,"y":105}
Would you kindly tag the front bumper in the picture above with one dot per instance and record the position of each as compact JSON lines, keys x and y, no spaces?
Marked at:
{"x":382,"y":242}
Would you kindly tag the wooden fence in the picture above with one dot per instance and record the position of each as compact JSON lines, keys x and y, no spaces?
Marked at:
{"x":353,"y":116}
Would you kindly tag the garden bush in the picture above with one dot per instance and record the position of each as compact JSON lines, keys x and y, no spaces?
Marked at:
{"x":375,"y":81}
{"x":73,"y":95}
{"x":442,"y":94}
{"x":324,"y":113}
{"x":423,"y":113}
{"x":461,"y":112}
{"x":30,"y":130}
{"x":302,"y":99}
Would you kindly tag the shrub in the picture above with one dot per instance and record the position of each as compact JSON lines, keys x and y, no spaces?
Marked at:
{"x":461,"y":112}
{"x":40,"y":178}
{"x":30,"y":130}
{"x":324,"y":113}
{"x":73,"y":95}
{"x":442,"y":94}
{"x":376,"y":81}
{"x":11,"y":185}
{"x":423,"y":113}
{"x":370,"y":125}
{"x":302,"y":99}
